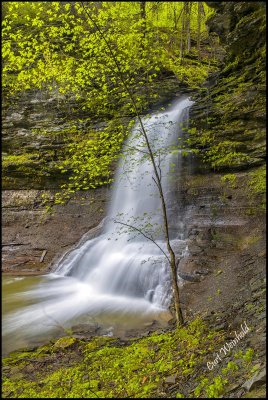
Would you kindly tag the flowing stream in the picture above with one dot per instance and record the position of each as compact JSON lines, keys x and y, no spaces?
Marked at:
{"x":120,"y":279}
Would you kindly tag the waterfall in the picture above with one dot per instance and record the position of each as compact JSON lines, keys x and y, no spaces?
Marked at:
{"x":120,"y":276}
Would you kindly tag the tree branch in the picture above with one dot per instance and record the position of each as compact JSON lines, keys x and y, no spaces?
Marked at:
{"x":136,"y":149}
{"x":143,"y":234}
{"x":153,"y":178}
{"x":159,"y":167}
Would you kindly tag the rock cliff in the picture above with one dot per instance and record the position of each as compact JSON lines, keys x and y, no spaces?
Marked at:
{"x":229,"y":114}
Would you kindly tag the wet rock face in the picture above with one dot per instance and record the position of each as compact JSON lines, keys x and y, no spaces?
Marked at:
{"x":231,"y":108}
{"x":33,"y":131}
{"x":219,"y":23}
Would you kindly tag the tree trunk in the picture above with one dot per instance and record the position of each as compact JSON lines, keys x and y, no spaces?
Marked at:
{"x":176,"y":295}
{"x":175,"y":17}
{"x":199,"y":19}
{"x":185,"y":45}
{"x":182,"y":35}
{"x":187,"y":26}
{"x":143,"y":21}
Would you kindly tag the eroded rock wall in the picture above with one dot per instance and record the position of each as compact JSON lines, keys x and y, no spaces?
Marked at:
{"x":229,"y":114}
{"x":29,"y":231}
{"x":35,"y":125}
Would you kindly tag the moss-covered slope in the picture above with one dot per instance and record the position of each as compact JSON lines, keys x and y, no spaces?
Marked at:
{"x":177,"y":363}
{"x":229,"y":115}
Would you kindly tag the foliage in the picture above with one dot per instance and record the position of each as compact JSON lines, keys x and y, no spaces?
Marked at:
{"x":216,"y":388}
{"x":230,"y":178}
{"x":54,"y":46}
{"x":213,"y":390}
{"x":257,"y":181}
{"x":231,"y":366}
{"x":89,"y":160}
{"x":248,"y":355}
{"x":225,"y":153}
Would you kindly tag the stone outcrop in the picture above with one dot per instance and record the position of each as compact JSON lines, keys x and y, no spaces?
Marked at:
{"x":35,"y":125}
{"x":229,"y":115}
{"x":33,"y":239}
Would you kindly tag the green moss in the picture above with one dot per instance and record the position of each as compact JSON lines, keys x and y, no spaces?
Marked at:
{"x":257,"y":184}
{"x":230,"y":178}
{"x":64,"y":342}
{"x":248,"y":355}
{"x":18,"y":160}
{"x":230,"y":135}
{"x":108,"y":368}
{"x":216,"y":389}
{"x":231,"y":366}
{"x":249,"y":306}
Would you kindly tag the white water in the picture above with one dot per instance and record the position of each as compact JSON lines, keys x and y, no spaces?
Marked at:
{"x":120,"y":278}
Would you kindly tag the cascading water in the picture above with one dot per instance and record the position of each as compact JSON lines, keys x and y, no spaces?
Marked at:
{"x":119,"y":278}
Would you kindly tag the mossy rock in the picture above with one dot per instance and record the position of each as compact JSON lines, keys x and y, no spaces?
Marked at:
{"x":64,"y":342}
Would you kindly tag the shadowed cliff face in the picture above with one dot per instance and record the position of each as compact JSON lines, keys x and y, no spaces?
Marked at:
{"x":229,"y":14}
{"x":230,"y":112}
